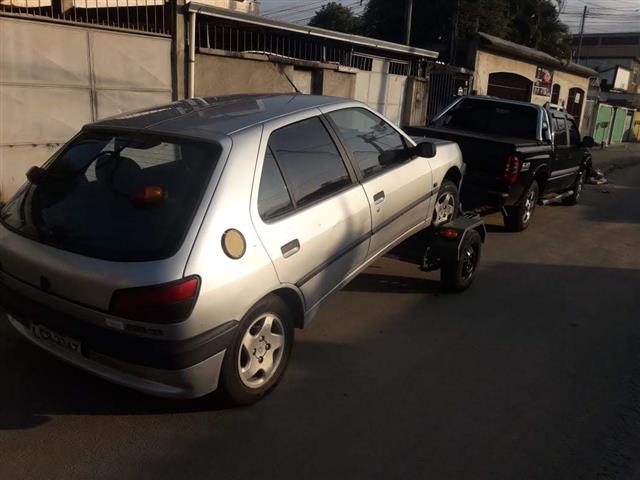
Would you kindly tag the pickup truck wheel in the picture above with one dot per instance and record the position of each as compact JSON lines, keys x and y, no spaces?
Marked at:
{"x":257,"y":359}
{"x":519,"y":216}
{"x":458,"y":274}
{"x":577,"y":190}
{"x":447,"y":203}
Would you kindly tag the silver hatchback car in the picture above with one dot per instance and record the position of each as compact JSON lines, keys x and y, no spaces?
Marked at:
{"x":174,"y":250}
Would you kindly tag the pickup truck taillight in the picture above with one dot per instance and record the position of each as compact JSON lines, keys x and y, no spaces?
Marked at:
{"x":512,"y":168}
{"x":167,"y":303}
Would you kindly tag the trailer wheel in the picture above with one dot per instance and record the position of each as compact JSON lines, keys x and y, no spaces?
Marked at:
{"x":457,"y":274}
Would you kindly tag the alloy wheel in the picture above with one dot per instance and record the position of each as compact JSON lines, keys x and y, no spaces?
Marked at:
{"x":469,"y":262}
{"x":529,"y":204}
{"x":445,"y":208}
{"x":261,"y":350}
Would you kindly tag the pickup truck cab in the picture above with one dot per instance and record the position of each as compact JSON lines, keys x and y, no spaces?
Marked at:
{"x":174,"y":250}
{"x":517,"y":154}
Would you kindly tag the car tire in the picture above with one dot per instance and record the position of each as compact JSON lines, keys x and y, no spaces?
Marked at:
{"x":574,"y":198}
{"x":447,"y":203}
{"x":518,"y":217}
{"x":457,"y":274}
{"x":253,"y":364}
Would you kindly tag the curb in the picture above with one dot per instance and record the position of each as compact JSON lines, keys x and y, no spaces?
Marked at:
{"x":616,"y":164}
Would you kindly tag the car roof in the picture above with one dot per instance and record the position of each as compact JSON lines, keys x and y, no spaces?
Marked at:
{"x":503,"y":100}
{"x":209,"y":117}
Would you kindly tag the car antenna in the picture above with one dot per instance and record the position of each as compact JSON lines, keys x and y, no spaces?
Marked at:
{"x":281,"y":69}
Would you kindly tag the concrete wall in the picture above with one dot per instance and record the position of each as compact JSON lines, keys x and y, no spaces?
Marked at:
{"x":487,"y":63}
{"x":55,"y":78}
{"x":224,"y":73}
{"x":416,"y":98}
{"x":339,"y":83}
{"x":220,"y":74}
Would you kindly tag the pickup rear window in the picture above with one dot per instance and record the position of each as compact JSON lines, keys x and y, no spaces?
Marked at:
{"x":118,"y":197}
{"x":493,"y":118}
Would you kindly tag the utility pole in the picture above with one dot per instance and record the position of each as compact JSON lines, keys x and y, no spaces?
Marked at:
{"x":454,"y":33}
{"x":584,"y":16}
{"x":407,"y":21}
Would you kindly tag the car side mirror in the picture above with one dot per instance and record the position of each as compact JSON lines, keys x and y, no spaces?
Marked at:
{"x":389,"y":157}
{"x":425,"y":149}
{"x":588,"y":142}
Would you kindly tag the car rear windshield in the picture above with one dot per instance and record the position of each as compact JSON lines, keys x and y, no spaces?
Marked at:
{"x":493,"y":118}
{"x":119,"y":197}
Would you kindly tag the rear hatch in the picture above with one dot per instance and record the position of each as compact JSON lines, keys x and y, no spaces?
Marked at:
{"x":112,"y":210}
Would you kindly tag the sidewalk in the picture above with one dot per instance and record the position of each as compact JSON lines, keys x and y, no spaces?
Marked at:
{"x":616,"y":156}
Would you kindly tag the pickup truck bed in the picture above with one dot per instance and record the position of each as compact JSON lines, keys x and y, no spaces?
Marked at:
{"x":502,"y":167}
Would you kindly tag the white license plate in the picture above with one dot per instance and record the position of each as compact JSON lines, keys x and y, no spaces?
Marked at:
{"x":47,"y":335}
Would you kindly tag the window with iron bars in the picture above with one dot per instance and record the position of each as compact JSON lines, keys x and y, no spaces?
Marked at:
{"x":398,"y":68}
{"x":214,"y":34}
{"x":151,"y":16}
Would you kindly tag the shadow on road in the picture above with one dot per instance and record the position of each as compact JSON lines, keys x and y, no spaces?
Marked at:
{"x":36,"y":385}
{"x":426,"y":384}
{"x":373,"y":282}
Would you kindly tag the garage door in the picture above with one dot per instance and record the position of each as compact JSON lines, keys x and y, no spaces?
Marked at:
{"x":510,"y":86}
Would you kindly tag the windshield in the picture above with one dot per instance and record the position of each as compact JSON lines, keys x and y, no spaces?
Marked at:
{"x":116,"y":196}
{"x":494,"y":118}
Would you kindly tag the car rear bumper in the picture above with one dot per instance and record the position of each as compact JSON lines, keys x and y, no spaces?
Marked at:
{"x":474,"y":196}
{"x":186,"y":368}
{"x":186,"y":383}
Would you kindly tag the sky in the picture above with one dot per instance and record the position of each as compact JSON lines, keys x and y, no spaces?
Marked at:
{"x":603,"y":16}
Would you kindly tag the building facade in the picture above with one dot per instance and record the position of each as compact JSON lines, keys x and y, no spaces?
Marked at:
{"x":507,"y":70}
{"x":606,"y":51}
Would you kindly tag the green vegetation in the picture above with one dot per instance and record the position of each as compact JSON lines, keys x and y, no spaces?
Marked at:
{"x":533,"y":23}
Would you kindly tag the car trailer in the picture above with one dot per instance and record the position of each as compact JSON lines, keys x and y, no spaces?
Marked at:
{"x":454,"y":248}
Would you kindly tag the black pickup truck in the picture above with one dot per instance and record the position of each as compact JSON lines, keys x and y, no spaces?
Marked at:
{"x":517,"y":154}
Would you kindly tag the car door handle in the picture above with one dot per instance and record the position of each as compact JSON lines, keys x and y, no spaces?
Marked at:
{"x":378,"y":197}
{"x":290,"y":248}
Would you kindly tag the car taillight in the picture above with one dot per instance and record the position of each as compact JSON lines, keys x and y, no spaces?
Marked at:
{"x":168,"y":303}
{"x":512,"y":168}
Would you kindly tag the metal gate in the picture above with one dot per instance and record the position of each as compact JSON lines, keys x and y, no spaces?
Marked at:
{"x":445,"y":84}
{"x":604,"y":120}
{"x":382,"y":86}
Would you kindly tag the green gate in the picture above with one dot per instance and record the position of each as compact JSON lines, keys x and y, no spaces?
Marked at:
{"x":618,"y":125}
{"x":603,"y":123}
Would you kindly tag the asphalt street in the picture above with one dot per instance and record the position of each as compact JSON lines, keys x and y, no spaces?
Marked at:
{"x":533,"y":373}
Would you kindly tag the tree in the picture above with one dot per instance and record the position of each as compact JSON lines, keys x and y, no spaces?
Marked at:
{"x":534,"y":23}
{"x":433,"y":21}
{"x":337,"y":17}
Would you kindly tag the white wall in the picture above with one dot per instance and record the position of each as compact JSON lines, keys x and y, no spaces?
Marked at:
{"x":55,"y":78}
{"x":381,"y":90}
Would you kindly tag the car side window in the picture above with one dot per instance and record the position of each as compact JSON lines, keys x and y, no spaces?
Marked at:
{"x":560,"y":129}
{"x":310,"y":161}
{"x":273,"y":196}
{"x":367,"y":136}
{"x":574,"y":134}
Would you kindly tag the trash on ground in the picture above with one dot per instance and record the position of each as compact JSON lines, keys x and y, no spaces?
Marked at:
{"x":596,"y":177}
